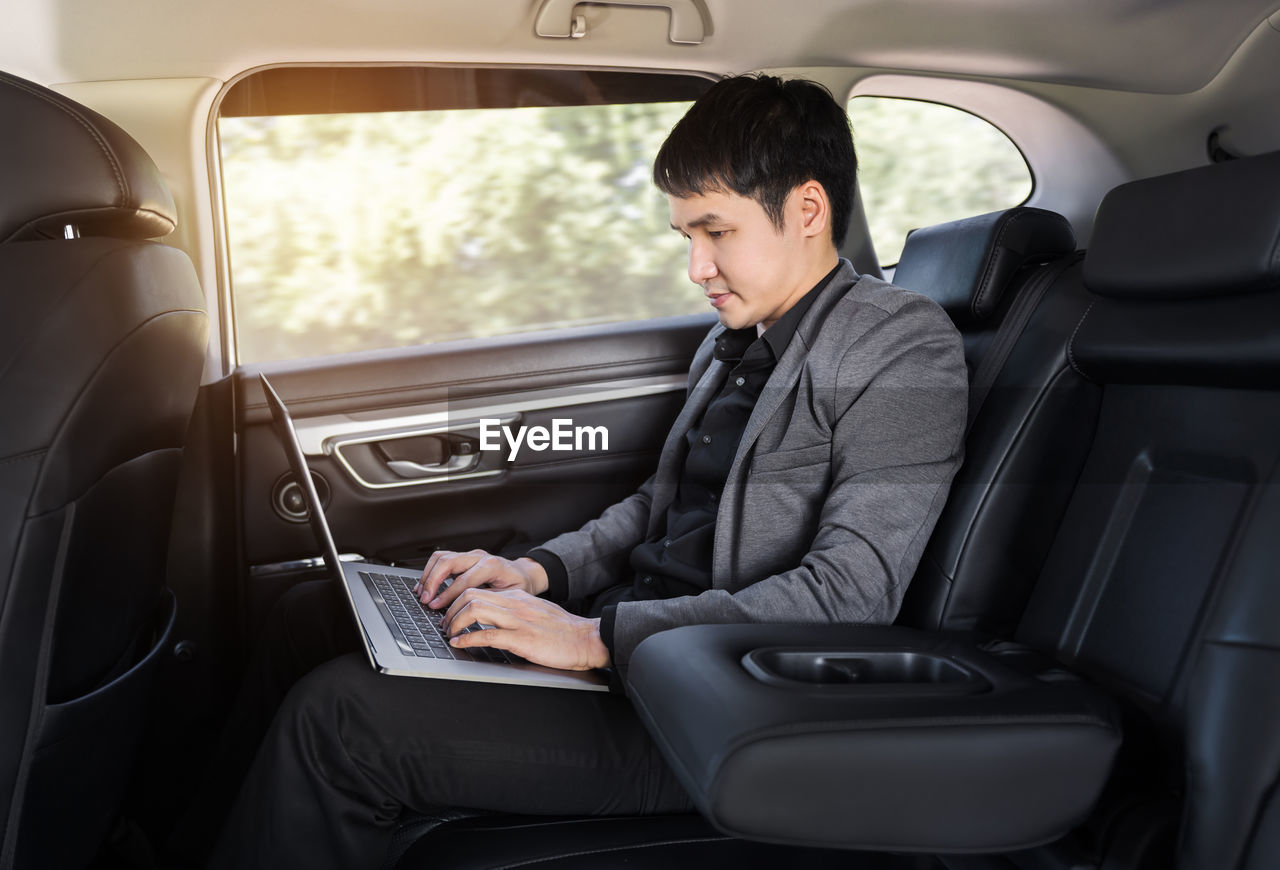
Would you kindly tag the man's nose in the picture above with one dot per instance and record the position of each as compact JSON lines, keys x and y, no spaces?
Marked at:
{"x":702,"y":265}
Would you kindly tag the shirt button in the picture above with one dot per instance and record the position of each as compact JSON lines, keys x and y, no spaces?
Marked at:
{"x":706,"y":439}
{"x":647,"y":581}
{"x":666,"y":543}
{"x":740,"y":381}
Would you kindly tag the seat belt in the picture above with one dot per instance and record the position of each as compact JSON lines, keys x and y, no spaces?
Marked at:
{"x":1010,"y":331}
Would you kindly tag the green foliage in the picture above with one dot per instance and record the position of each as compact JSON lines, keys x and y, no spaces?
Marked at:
{"x":376,"y":230}
{"x":357,"y":231}
{"x":922,"y":163}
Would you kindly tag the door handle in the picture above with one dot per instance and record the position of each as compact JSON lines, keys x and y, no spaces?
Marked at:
{"x":406,"y":457}
{"x":428,"y":456}
{"x":556,"y":19}
{"x":411,"y":470}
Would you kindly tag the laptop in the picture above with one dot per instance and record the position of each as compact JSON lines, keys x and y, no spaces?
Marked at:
{"x":400,"y":635}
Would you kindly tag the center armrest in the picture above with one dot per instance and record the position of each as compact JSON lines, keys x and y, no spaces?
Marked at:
{"x":874,"y":737}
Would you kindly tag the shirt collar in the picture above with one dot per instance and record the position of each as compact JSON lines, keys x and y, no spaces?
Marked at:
{"x":733,"y":343}
{"x":779,"y":335}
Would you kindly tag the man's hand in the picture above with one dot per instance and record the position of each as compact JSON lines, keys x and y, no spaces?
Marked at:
{"x":475,"y":569}
{"x":532,"y":628}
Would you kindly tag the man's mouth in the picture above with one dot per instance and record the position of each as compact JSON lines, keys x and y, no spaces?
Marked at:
{"x":718,"y":300}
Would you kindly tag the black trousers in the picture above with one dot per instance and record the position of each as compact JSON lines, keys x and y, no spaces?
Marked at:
{"x":350,"y":749}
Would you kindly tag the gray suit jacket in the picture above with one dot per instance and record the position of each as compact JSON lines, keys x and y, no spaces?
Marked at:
{"x":841,"y":473}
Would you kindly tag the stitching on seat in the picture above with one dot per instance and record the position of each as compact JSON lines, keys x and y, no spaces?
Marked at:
{"x":116,"y":169}
{"x":684,"y":842}
{"x":991,"y":260}
{"x":24,"y":457}
{"x":1227,"y":643}
{"x":1071,"y":357}
{"x":1025,"y":211}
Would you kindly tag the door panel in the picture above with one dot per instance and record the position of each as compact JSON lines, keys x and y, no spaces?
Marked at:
{"x":382,"y":429}
{"x":456,"y":440}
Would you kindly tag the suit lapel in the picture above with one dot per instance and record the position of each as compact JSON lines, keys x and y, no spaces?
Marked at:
{"x":780,"y":384}
{"x":787,"y":372}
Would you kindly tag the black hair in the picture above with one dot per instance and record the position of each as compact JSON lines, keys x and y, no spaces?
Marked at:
{"x":760,"y":137}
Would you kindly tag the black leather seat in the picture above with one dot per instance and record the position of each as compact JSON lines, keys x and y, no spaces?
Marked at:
{"x":1157,"y":585}
{"x":976,"y":269}
{"x":997,"y":275}
{"x":102,"y":344}
{"x":1031,"y":418}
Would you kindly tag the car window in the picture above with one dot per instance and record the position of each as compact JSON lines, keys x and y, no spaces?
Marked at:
{"x":373,"y":208}
{"x":924,"y":163}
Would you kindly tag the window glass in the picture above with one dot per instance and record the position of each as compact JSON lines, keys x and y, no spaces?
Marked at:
{"x":922,"y":163}
{"x":462,"y":203}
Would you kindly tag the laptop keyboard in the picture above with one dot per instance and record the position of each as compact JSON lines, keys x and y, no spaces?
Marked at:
{"x":417,"y":628}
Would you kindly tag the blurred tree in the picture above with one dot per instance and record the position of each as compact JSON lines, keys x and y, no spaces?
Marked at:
{"x":923,"y":163}
{"x":374,"y":230}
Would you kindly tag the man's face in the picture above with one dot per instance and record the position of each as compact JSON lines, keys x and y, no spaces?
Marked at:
{"x":751,"y":271}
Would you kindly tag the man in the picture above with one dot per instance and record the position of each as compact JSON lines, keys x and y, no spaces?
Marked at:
{"x":800,"y":483}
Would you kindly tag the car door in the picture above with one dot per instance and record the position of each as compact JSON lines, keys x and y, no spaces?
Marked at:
{"x":497,"y":447}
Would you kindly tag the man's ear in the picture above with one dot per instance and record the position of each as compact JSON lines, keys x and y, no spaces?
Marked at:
{"x":815,"y":208}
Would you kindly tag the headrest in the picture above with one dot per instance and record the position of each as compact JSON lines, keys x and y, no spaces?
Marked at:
{"x":61,"y":163}
{"x":966,"y":265}
{"x":1209,"y":231}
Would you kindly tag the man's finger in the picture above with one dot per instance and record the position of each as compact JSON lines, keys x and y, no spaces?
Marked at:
{"x":475,"y":605}
{"x":430,"y":567}
{"x":426,"y":570}
{"x":491,"y":637}
{"x":444,"y":568}
{"x":472,"y":577}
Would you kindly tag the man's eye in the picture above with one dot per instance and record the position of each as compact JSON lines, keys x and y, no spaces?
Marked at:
{"x":716,"y":234}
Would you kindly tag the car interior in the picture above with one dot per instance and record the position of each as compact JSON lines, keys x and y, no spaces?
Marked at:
{"x":413,"y":218}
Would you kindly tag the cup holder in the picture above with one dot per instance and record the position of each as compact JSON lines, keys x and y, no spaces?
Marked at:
{"x":892,"y":671}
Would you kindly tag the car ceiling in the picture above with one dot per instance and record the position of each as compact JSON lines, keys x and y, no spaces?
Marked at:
{"x":1094,"y":91}
{"x":1157,"y":46}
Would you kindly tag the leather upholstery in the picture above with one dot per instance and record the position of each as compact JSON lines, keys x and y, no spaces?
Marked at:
{"x":1028,"y":437}
{"x":1233,"y":753}
{"x":966,"y":265}
{"x":684,"y":842}
{"x":1160,"y":582}
{"x":1229,"y":341}
{"x":1113,"y":472}
{"x":1022,"y":458}
{"x":1204,"y":231}
{"x":817,"y":757}
{"x":62,"y":163}
{"x":102,"y":344}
